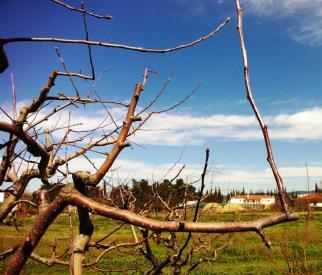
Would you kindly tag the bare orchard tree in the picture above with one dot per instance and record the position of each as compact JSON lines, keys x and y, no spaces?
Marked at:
{"x":31,"y":152}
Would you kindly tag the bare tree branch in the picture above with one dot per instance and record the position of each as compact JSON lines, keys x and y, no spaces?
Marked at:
{"x":263,"y":126}
{"x":111,"y":45}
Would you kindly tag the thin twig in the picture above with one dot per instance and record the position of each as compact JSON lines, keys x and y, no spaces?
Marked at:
{"x":195,"y":217}
{"x":66,"y":70}
{"x":83,"y":11}
{"x":87,"y":39}
{"x":85,"y":100}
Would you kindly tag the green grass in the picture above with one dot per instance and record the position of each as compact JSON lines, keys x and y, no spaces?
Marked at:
{"x":297,"y":247}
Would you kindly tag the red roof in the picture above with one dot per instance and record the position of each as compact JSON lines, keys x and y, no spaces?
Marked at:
{"x":314,"y":196}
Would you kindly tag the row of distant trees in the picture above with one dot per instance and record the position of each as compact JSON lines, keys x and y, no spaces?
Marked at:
{"x":175,"y":193}
{"x":156,"y":196}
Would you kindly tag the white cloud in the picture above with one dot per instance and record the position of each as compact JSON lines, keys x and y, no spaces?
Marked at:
{"x":303,"y":125}
{"x":228,"y":176}
{"x":180,"y":129}
{"x":306,"y":15}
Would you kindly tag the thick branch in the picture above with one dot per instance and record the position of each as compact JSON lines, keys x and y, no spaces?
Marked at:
{"x":120,"y":143}
{"x":177,"y":226}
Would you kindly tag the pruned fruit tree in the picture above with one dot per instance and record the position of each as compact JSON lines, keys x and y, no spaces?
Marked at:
{"x":32,"y":151}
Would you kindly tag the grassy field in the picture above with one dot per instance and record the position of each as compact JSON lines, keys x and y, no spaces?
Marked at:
{"x":297,"y":247}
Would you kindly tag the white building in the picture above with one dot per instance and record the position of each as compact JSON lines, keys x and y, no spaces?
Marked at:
{"x":252,"y":200}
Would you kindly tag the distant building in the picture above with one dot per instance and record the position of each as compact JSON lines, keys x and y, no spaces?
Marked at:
{"x":253,"y":200}
{"x":310,"y":201}
{"x":189,"y":204}
{"x":303,"y":195}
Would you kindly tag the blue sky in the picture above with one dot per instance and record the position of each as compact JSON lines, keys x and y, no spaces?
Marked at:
{"x":284,"y":42}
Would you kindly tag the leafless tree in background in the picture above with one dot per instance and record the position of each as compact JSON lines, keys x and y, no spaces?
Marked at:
{"x":30,"y":152}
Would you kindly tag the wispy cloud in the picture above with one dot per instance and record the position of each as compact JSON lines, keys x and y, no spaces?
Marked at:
{"x":285,"y":7}
{"x":285,"y":101}
{"x":198,"y":7}
{"x":303,"y":125}
{"x":306,"y":15}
